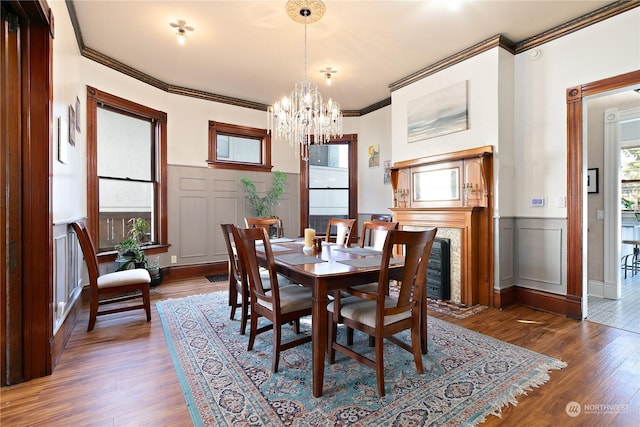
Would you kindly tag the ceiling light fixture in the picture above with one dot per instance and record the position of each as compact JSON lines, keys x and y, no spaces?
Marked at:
{"x":182,"y":30}
{"x":303,"y":118}
{"x":328,"y":72}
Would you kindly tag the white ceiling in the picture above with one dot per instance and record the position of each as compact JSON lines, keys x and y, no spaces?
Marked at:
{"x":253,"y":51}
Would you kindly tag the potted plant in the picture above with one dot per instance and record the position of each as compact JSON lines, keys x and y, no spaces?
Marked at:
{"x":262,"y":207}
{"x":129,"y":250}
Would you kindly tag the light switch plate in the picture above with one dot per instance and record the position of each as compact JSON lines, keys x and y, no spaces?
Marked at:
{"x":599,"y":214}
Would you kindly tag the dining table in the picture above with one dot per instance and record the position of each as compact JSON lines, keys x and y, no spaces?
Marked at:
{"x":323,"y":270}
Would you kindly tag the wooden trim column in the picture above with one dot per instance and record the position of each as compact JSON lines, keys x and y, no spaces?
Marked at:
{"x":27,"y":269}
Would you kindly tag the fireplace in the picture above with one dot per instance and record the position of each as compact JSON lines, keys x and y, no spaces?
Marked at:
{"x":438,"y":271}
{"x":453,"y":192}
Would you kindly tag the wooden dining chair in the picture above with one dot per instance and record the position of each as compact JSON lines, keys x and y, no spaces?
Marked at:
{"x":113,"y":287}
{"x":380,"y":315}
{"x":374,"y":233}
{"x":238,"y":282}
{"x":280,"y":305}
{"x":238,"y":286}
{"x":343,"y":230}
{"x":381,"y":217}
{"x":268,"y":224}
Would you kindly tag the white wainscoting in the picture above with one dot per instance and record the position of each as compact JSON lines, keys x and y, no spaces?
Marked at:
{"x":67,"y":271}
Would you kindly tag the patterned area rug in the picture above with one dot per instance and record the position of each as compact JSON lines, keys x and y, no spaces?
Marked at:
{"x":468,"y":376}
{"x":449,"y":308}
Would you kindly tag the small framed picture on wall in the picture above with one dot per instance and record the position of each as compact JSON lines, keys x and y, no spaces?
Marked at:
{"x":72,"y":125}
{"x":78,"y":115}
{"x":592,"y":180}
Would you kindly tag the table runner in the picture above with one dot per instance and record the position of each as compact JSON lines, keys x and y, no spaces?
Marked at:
{"x":297,"y":259}
{"x":369,"y":261}
{"x":274,"y":248}
{"x":282,"y":240}
{"x":359,"y":251}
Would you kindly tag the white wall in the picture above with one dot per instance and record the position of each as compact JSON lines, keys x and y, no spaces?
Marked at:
{"x":373,"y":195}
{"x":599,"y":51}
{"x":481,"y":72}
{"x":69,"y":179}
{"x":504,"y":161}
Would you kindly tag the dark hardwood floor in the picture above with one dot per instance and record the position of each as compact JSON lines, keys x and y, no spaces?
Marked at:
{"x":121,"y":373}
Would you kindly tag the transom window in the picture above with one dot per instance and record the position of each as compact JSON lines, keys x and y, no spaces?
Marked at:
{"x":239,"y":147}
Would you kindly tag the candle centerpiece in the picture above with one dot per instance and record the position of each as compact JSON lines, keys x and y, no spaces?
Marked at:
{"x":309,"y":235}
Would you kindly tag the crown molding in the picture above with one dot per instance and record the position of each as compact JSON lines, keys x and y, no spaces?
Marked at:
{"x":483,"y":46}
{"x":584,"y":21}
{"x":498,"y":40}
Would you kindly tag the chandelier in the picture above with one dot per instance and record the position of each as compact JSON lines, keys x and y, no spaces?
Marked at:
{"x":303,"y":118}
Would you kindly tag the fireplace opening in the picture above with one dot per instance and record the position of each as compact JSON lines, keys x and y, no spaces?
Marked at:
{"x":439,"y":270}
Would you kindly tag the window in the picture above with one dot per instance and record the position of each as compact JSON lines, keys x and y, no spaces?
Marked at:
{"x":630,"y":177}
{"x":239,"y":147}
{"x":126,"y":169}
{"x":329,"y":183}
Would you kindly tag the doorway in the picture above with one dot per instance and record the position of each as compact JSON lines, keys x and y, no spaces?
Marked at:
{"x":613,"y":128}
{"x":575,"y":301}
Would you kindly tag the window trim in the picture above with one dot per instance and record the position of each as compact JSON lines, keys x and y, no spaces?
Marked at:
{"x":243,"y":132}
{"x":352,"y":141}
{"x":95,"y":97}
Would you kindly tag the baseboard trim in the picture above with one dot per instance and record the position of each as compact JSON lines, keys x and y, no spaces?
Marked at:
{"x":504,"y":297}
{"x":566,"y":305}
{"x":187,"y":271}
{"x":60,"y":339}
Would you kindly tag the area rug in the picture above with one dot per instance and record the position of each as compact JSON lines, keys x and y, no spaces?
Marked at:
{"x":450,"y":308}
{"x":468,"y":376}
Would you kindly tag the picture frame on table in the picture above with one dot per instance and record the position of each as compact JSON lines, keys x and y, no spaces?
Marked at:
{"x":592,"y":180}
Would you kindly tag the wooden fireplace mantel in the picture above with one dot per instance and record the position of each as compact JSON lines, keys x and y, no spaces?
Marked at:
{"x":467,"y":207}
{"x":468,"y":219}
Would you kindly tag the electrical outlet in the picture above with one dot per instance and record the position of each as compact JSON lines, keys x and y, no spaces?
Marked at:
{"x":561,"y":202}
{"x":599,"y":214}
{"x":174,"y":259}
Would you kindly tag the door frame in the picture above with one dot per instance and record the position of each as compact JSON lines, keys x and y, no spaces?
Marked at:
{"x":27,"y":270}
{"x":576,"y":176}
